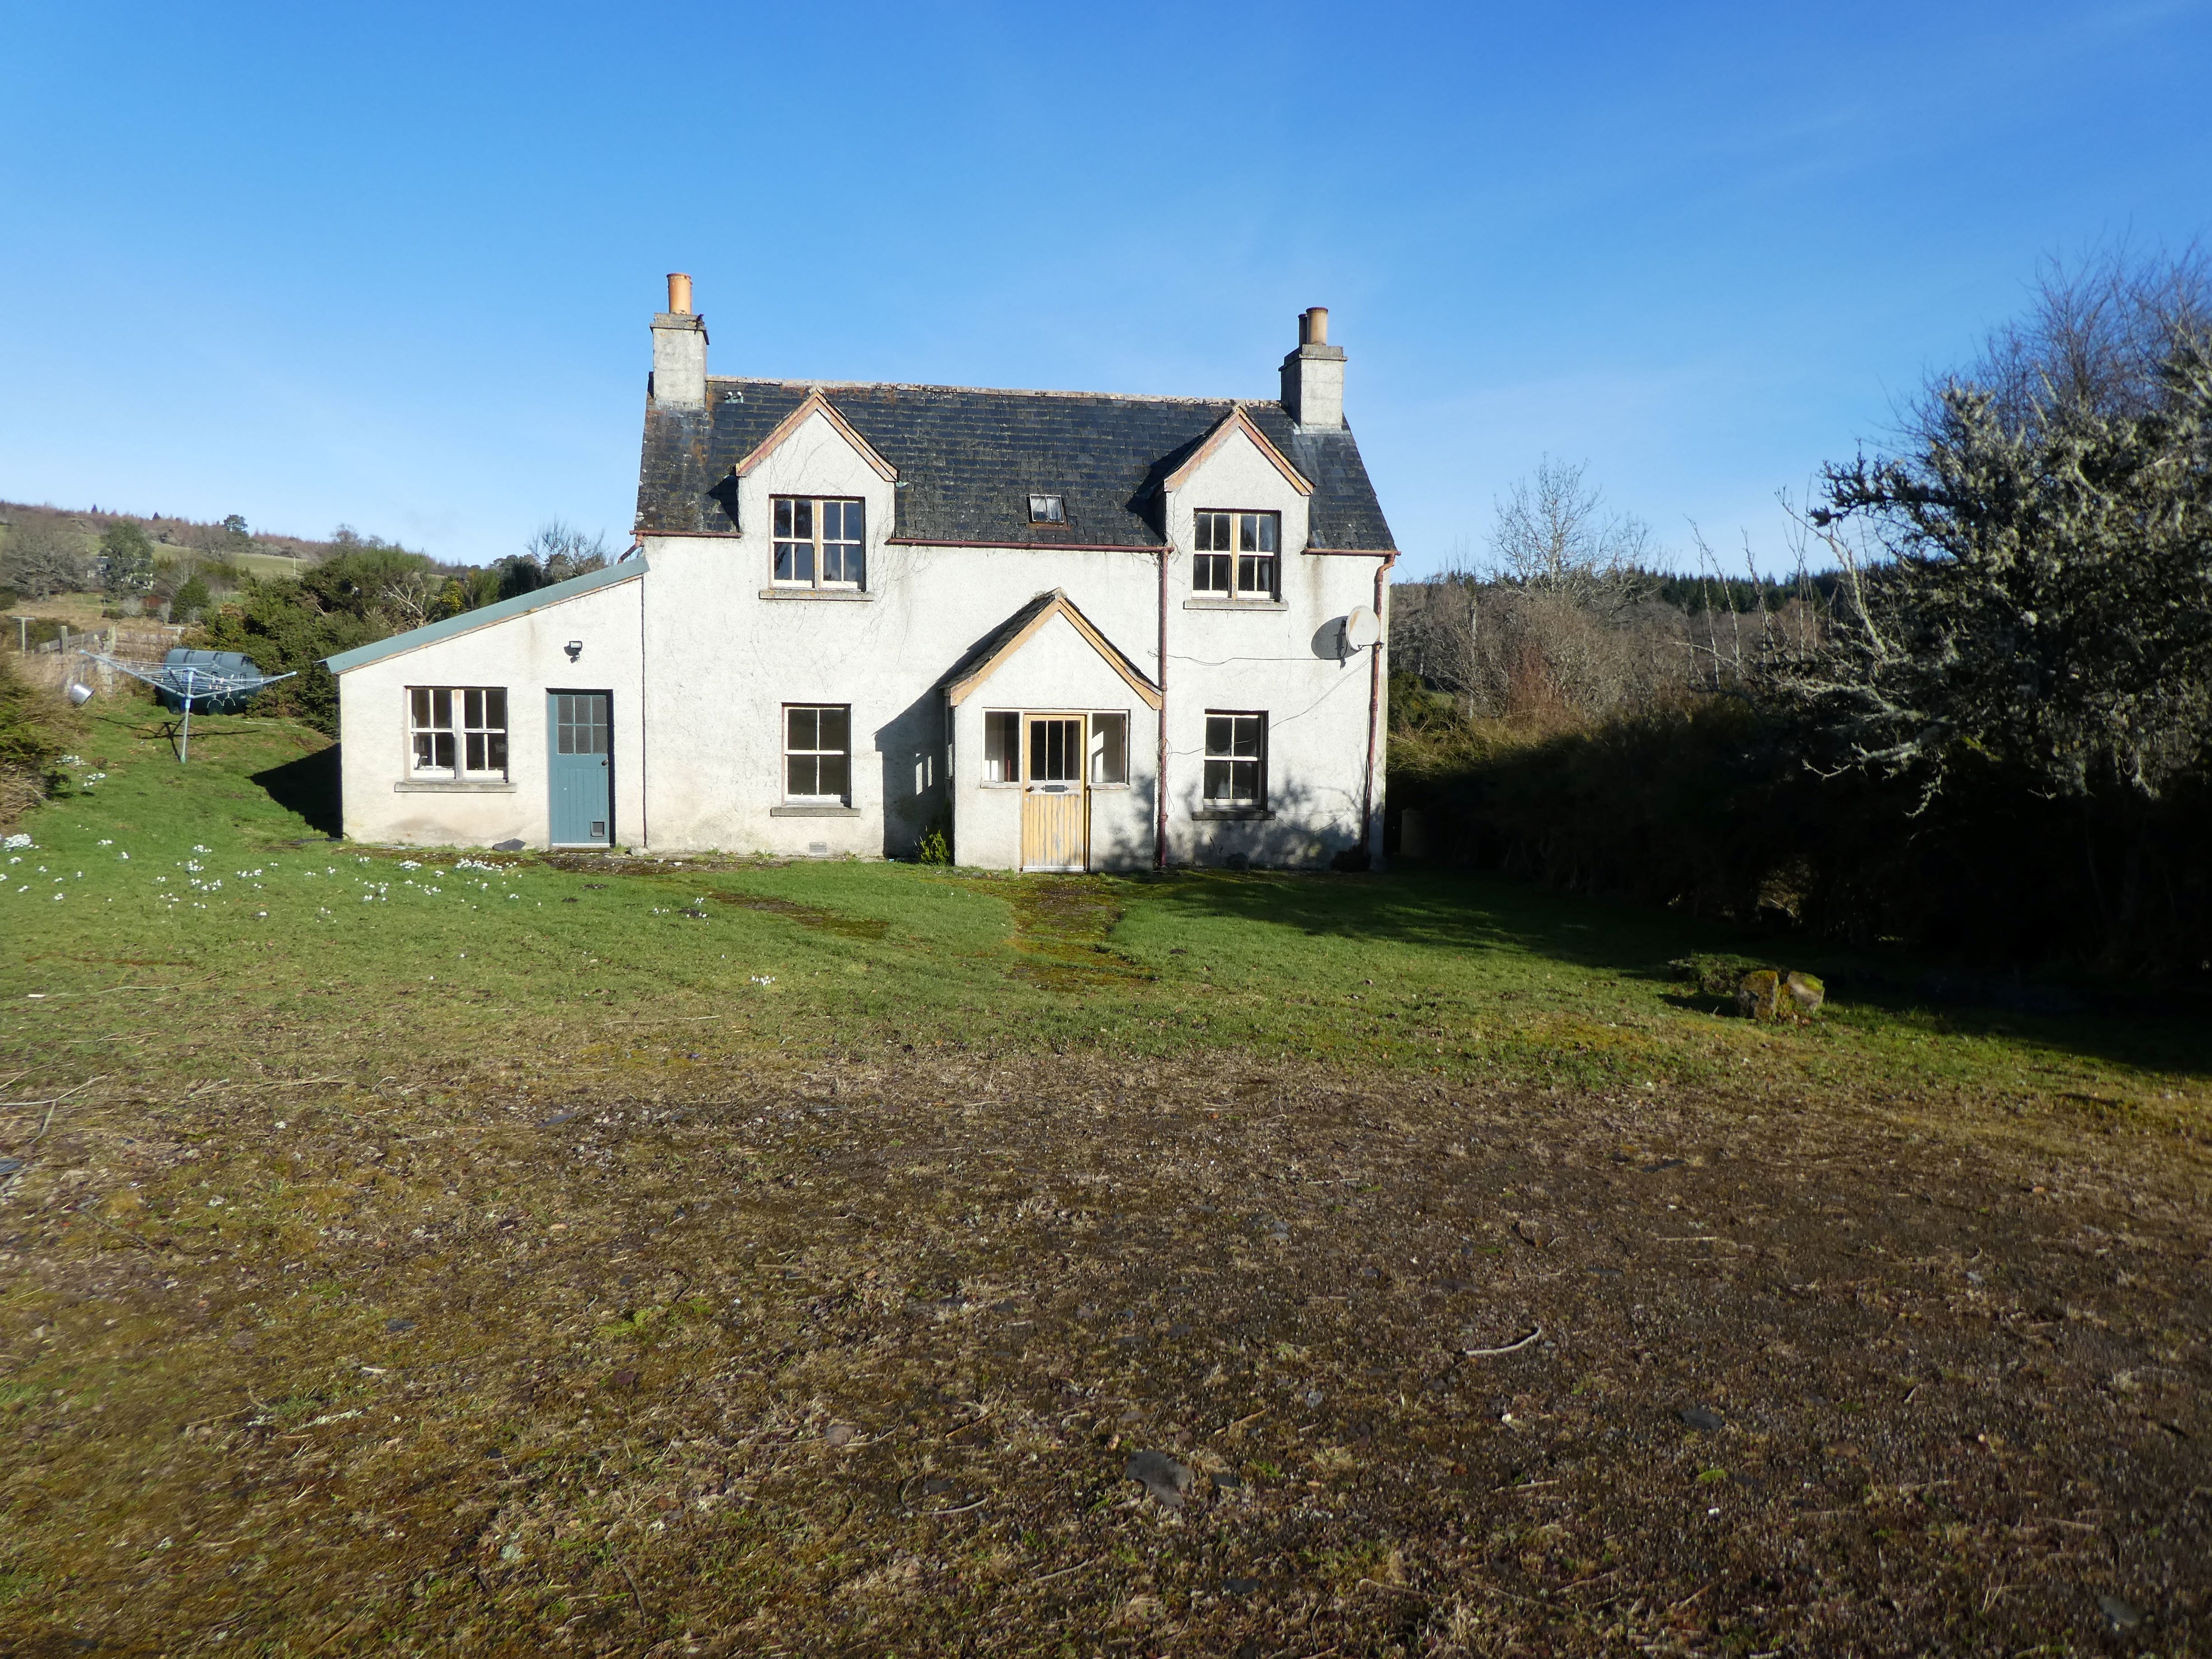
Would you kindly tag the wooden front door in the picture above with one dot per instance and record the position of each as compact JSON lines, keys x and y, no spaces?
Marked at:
{"x":1055,"y":805}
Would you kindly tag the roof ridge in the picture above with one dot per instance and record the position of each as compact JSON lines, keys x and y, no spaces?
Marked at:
{"x":798,"y":384}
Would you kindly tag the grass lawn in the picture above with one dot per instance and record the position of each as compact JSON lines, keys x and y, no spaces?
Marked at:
{"x":418,"y":1253}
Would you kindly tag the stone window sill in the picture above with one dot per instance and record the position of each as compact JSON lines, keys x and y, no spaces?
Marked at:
{"x":1230,"y":814}
{"x":822,"y":811}
{"x":453,"y":787}
{"x":1235,"y":605}
{"x":847,"y":595}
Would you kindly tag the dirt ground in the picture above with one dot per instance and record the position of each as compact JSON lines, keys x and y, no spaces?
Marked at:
{"x":854,"y":1359}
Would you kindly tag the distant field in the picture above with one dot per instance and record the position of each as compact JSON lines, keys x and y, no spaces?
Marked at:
{"x":736,"y":1256}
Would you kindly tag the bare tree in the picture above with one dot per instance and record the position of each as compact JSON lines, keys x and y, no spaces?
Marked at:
{"x":2096,"y":336}
{"x":40,"y":560}
{"x":562,"y":550}
{"x":1553,"y":535}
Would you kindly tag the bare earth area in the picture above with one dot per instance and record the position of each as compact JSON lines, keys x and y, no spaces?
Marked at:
{"x":854,"y":1358}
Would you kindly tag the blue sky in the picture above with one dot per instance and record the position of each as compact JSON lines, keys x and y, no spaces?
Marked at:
{"x":393,"y":266}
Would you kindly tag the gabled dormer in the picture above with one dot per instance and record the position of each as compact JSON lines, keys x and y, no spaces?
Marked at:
{"x":1237,"y":508}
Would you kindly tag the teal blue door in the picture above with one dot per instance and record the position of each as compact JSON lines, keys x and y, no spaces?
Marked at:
{"x":579,"y":768}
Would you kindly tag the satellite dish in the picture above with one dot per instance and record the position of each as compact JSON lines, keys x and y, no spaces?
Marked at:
{"x":79,"y":694}
{"x":1362,"y":628}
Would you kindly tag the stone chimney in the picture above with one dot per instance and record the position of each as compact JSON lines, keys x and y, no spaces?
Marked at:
{"x":680,"y":350}
{"x":1313,"y":375}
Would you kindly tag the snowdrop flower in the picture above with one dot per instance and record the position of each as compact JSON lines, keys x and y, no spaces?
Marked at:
{"x":125,"y":857}
{"x":14,"y":841}
{"x":198,"y":848}
{"x":109,"y":843}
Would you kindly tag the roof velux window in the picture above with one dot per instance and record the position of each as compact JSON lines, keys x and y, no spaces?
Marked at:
{"x":1048,"y":509}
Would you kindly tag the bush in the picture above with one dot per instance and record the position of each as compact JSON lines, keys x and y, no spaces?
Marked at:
{"x":35,"y":726}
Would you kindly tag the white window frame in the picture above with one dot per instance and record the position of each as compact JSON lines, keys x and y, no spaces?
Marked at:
{"x":1002,"y":749}
{"x":788,"y":752}
{"x":1103,"y":748}
{"x":463,"y":715}
{"x":1255,"y":542}
{"x":1047,"y":506}
{"x":816,"y":544}
{"x":1228,"y":756}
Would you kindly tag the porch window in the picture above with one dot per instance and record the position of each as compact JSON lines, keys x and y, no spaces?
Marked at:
{"x":458,"y":731}
{"x":820,"y":543}
{"x":1002,"y":748}
{"x":1236,"y":759}
{"x":1109,"y":749}
{"x":817,"y":752}
{"x":1235,"y":555}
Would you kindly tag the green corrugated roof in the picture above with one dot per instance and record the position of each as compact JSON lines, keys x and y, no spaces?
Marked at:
{"x":430,"y":633}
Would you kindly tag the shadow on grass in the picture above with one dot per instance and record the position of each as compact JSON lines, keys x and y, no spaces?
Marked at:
{"x":1457,"y":911}
{"x":1443,"y":910}
{"x":308,"y":786}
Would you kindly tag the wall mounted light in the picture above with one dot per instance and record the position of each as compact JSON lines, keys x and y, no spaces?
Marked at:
{"x":575,"y":648}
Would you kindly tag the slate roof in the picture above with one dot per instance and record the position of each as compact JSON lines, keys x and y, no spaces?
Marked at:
{"x":968,"y":461}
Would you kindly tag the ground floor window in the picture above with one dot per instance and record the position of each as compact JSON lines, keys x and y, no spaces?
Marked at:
{"x":1236,"y":759}
{"x":458,"y":731}
{"x":1002,"y":747}
{"x":1109,"y":749}
{"x":817,"y":752}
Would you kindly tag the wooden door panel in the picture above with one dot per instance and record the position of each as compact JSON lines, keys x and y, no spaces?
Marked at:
{"x":1056,"y":804}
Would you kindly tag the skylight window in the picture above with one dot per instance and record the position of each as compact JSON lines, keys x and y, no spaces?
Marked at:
{"x":1048,"y":509}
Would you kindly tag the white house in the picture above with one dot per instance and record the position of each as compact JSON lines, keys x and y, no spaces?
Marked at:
{"x":1070,"y":630}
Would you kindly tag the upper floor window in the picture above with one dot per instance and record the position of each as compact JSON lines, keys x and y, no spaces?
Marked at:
{"x":1235,"y":554}
{"x":458,"y":731}
{"x":820,"y":543}
{"x":1048,"y":509}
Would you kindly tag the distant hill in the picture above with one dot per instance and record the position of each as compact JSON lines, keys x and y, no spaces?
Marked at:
{"x":51,"y":562}
{"x":232,"y":536}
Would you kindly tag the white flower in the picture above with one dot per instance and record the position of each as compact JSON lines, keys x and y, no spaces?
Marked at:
{"x":72,"y":760}
{"x":125,"y":857}
{"x":197,"y":849}
{"x":14,"y":841}
{"x":109,"y":843}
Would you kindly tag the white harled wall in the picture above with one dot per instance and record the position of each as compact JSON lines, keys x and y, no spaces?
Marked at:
{"x":528,"y":655}
{"x":702,"y":654}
